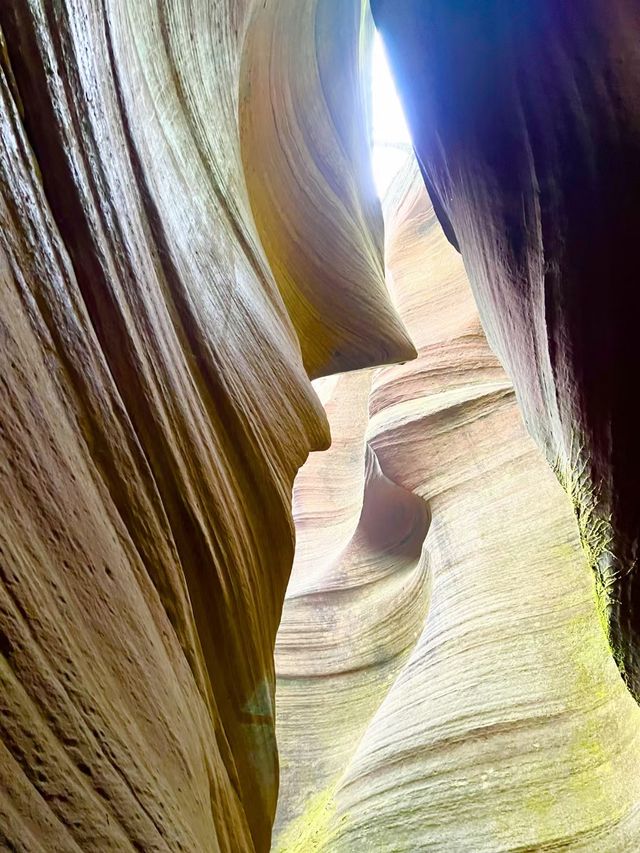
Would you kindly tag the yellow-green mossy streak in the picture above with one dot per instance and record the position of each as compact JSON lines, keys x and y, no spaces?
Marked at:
{"x":154,"y":412}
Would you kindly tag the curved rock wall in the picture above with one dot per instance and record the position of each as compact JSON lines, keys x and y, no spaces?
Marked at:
{"x":154,"y":412}
{"x":526,"y":121}
{"x":306,"y":148}
{"x":356,"y":602}
{"x":506,"y":725}
{"x":187,"y":231}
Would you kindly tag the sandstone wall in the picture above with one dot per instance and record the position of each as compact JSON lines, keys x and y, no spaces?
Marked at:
{"x":526,"y":123}
{"x":489,"y":714}
{"x":154,"y":405}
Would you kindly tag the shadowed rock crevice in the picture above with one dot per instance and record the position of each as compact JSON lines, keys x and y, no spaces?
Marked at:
{"x":527,"y":128}
{"x":356,"y":603}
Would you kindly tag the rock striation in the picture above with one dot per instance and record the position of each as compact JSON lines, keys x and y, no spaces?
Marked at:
{"x":504,"y":724}
{"x":305,"y":142}
{"x":356,"y":602}
{"x":189,"y":234}
{"x":155,"y":406}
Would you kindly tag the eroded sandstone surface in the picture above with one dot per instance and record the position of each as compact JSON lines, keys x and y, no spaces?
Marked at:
{"x":526,"y":123}
{"x":489,"y":713}
{"x":188,"y":235}
{"x":154,"y":405}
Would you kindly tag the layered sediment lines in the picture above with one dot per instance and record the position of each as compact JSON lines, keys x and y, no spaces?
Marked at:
{"x":526,"y":123}
{"x":188,"y":231}
{"x":155,"y":406}
{"x":303,"y":113}
{"x":508,"y":726}
{"x":356,"y":603}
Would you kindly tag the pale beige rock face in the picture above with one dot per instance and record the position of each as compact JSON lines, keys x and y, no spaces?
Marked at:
{"x":355,"y":604}
{"x":508,"y":726}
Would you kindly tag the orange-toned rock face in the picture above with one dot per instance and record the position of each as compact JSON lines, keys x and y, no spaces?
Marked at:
{"x":483,"y":709}
{"x":154,"y":412}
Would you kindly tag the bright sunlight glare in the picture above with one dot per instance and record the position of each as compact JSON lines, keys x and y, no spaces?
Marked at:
{"x":391,"y":138}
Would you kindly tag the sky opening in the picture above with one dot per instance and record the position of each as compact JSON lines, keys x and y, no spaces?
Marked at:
{"x":391,"y":137}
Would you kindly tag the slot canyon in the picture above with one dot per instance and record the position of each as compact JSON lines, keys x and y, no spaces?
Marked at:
{"x":318,"y":524}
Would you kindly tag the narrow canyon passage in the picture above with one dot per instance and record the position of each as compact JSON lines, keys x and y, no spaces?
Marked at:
{"x":319,"y":526}
{"x":461,"y":695}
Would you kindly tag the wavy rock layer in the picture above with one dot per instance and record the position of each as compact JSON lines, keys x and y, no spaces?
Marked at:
{"x":306,"y":148}
{"x":355,"y":605}
{"x":527,"y":124}
{"x":508,"y":726}
{"x":154,"y":412}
